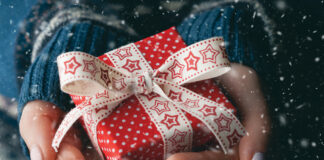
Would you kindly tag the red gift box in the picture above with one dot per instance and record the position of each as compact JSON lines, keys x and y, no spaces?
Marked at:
{"x":128,"y":131}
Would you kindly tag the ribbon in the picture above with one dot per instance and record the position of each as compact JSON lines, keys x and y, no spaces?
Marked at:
{"x":159,"y":91}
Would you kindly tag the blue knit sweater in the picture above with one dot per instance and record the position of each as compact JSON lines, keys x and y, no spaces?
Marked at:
{"x":245,"y":40}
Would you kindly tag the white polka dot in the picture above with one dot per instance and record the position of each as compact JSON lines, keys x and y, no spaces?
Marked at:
{"x":129,"y":107}
{"x":135,"y":138}
{"x":115,"y":118}
{"x":151,"y":55}
{"x":111,"y":125}
{"x":117,"y":134}
{"x":103,"y":123}
{"x":138,"y":131}
{"x":168,"y":39}
{"x":133,"y":145}
{"x":115,"y":141}
{"x":108,"y":132}
{"x":126,"y":114}
{"x":140,"y":148}
{"x":176,"y":41}
{"x":132,"y":122}
{"x":198,"y":125}
{"x":141,"y":125}
{"x":143,"y":118}
{"x":129,"y":153}
{"x":171,"y":33}
{"x":138,"y":46}
{"x":160,"y":57}
{"x":156,"y":136}
{"x":149,"y":127}
{"x":148,"y":41}
{"x":165,"y":45}
{"x":135,"y":115}
{"x":113,"y":150}
{"x":149,"y":62}
{"x":144,"y":140}
{"x":105,"y":58}
{"x":146,"y":134}
{"x":146,"y":48}
{"x":126,"y":136}
{"x":123,"y":143}
{"x":120,"y":150}
{"x":102,"y":132}
{"x":129,"y":129}
{"x":120,"y":127}
{"x":107,"y":140}
{"x":123,"y":120}
{"x":157,"y":43}
{"x":157,"y":64}
{"x":118,"y":111}
{"x":152,"y":143}
{"x":137,"y":109}
{"x":163,"y":51}
{"x":209,"y":96}
{"x":174,"y":47}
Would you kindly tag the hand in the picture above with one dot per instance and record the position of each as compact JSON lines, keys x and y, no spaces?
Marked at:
{"x":38,"y":125}
{"x":242,"y":85}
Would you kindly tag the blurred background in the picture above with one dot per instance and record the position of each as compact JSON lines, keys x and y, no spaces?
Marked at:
{"x":297,"y":78}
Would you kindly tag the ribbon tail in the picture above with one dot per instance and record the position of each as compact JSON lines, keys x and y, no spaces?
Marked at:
{"x":220,"y":121}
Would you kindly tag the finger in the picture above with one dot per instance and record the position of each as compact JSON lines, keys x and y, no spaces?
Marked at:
{"x":206,"y":155}
{"x":37,"y":128}
{"x":242,"y":84}
{"x":70,"y":152}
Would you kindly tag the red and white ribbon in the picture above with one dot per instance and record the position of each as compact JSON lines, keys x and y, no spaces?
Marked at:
{"x":159,"y":91}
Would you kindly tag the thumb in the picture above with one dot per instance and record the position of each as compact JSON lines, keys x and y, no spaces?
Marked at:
{"x":37,"y":127}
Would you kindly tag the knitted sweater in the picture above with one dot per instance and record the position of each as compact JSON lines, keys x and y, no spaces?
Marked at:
{"x":245,"y":40}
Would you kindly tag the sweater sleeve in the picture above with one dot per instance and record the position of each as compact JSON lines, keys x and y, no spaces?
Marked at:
{"x":246,"y":40}
{"x":41,"y":81}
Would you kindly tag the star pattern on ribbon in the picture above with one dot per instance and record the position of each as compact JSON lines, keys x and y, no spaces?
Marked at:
{"x":176,"y":96}
{"x":191,"y":103}
{"x":90,"y":66}
{"x":100,"y":109}
{"x":233,"y":138}
{"x":178,"y":137}
{"x":223,"y":123}
{"x":123,"y":53}
{"x":222,"y":48}
{"x":176,"y":69}
{"x":191,"y":61}
{"x":131,"y":66}
{"x":119,"y":84}
{"x":209,"y":54}
{"x":160,"y":106}
{"x":150,"y":96}
{"x":169,"y":121}
{"x":104,"y":75}
{"x":102,"y":94}
{"x":208,"y":110}
{"x":71,"y":65}
{"x":162,"y":75}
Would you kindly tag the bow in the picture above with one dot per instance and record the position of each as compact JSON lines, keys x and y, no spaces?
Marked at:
{"x":159,"y":91}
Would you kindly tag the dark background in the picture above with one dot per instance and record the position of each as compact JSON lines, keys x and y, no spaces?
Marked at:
{"x":296,"y":87}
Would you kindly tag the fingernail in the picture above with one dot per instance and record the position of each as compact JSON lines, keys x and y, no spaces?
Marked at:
{"x":35,"y":153}
{"x":258,"y":156}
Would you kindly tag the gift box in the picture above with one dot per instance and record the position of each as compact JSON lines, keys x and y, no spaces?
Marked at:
{"x":151,"y":98}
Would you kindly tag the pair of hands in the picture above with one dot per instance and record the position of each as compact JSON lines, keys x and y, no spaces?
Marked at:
{"x":40,"y":120}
